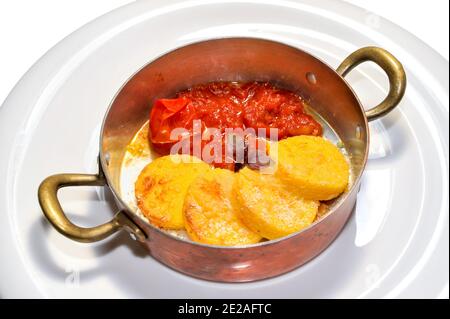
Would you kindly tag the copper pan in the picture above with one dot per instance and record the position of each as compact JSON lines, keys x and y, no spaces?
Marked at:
{"x":231,"y":59}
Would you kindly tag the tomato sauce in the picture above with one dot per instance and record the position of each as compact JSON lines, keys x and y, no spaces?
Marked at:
{"x":224,"y":105}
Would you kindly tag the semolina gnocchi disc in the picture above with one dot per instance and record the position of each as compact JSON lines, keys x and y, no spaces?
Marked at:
{"x":161,"y":187}
{"x":210,"y":211}
{"x":269,"y":208}
{"x":313,"y":166}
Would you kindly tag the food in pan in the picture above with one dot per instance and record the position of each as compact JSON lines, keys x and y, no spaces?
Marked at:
{"x":269,"y":208}
{"x":313,"y":166}
{"x":221,"y":207}
{"x":211,"y":211}
{"x":238,"y":203}
{"x":161,"y":188}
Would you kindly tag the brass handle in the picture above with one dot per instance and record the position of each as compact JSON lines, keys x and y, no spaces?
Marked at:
{"x":52,"y":209}
{"x":393,"y":69}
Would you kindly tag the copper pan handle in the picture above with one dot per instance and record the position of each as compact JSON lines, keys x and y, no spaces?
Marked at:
{"x":393,"y":69}
{"x":52,"y":209}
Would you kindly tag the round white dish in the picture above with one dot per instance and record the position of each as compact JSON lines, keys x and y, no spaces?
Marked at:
{"x":395,"y":245}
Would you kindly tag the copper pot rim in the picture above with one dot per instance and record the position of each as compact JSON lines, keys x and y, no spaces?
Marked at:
{"x":340,"y":201}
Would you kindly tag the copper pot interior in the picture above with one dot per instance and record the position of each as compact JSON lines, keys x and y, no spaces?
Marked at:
{"x":233,"y":59}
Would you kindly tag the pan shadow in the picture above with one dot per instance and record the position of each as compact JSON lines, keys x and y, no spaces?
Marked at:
{"x":129,"y":266}
{"x":393,"y":127}
{"x":39,"y":248}
{"x":40,"y":244}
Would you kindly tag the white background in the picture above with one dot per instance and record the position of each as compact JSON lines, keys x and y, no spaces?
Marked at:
{"x":28,"y":28}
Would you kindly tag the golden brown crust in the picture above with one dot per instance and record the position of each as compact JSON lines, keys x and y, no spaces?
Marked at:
{"x":269,"y":208}
{"x":313,"y":166}
{"x":161,"y":187}
{"x":210,"y":212}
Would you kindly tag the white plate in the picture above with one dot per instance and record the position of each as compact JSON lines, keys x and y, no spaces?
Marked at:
{"x":396,"y":243}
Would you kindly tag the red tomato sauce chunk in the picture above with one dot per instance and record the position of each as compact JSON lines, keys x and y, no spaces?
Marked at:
{"x":221,"y":105}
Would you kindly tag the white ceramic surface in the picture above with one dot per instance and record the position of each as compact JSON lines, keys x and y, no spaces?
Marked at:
{"x":395,"y":245}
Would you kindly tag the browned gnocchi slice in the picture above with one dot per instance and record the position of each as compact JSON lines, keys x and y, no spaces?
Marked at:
{"x":313,"y":166}
{"x":161,"y":188}
{"x":268,"y":208}
{"x":210,"y":211}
